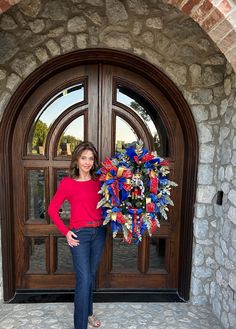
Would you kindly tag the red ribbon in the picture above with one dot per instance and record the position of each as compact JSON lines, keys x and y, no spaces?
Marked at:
{"x":120,"y":218}
{"x":115,"y":189}
{"x":153,"y":183}
{"x":136,"y":159}
{"x":108,"y":166}
{"x":147,"y":157}
{"x":150,"y":207}
{"x":121,"y":174}
{"x":137,"y":226}
{"x":164,"y":163}
{"x":154,"y":226}
{"x":129,"y":237}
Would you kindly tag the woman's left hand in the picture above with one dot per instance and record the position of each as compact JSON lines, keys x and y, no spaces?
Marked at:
{"x":70,"y":239}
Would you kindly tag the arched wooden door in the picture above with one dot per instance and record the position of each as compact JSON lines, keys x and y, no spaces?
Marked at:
{"x":112,"y":107}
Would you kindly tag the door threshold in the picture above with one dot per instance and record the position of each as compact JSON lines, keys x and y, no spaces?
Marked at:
{"x":137,"y":296}
{"x":100,"y":296}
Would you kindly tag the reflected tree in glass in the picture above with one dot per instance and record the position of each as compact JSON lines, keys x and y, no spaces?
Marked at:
{"x":148,"y":115}
{"x":53,"y":108}
{"x":71,"y":137}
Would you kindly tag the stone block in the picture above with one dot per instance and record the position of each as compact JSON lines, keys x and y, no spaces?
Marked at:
{"x":77,"y":24}
{"x":211,"y":77}
{"x":154,"y":23}
{"x":198,"y":255}
{"x":8,"y":46}
{"x":199,"y":96}
{"x":201,"y":228}
{"x":195,"y":72}
{"x":200,"y":210}
{"x":177,"y":72}
{"x":13,"y":81}
{"x":7,"y":23}
{"x":219,"y":255}
{"x":24,"y":64}
{"x":205,"y":174}
{"x":232,"y":214}
{"x":205,"y":133}
{"x":116,"y":12}
{"x":55,"y":10}
{"x":224,"y":132}
{"x":205,"y":194}
{"x":200,"y":113}
{"x":232,"y":197}
{"x":232,"y":280}
{"x":202,"y":272}
{"x":207,"y":153}
{"x":196,"y":286}
{"x":82,"y":40}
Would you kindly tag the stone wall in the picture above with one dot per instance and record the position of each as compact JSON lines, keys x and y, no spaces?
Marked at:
{"x":223,"y":262}
{"x":214,"y":261}
{"x":174,"y":43}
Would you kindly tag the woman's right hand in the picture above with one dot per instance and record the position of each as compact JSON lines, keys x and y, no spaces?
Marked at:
{"x":70,"y":239}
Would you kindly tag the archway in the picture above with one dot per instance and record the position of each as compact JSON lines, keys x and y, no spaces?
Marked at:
{"x":174,"y":112}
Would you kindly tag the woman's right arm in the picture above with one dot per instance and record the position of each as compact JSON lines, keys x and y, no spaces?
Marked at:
{"x":55,"y":205}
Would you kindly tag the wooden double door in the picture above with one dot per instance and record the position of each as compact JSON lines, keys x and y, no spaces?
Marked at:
{"x":113,"y":107}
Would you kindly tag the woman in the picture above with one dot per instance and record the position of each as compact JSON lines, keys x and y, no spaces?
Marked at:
{"x":85,"y":235}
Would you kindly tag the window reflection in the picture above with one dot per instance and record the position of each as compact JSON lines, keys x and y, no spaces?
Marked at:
{"x":148,"y":115}
{"x":36,"y":195}
{"x":157,"y":253}
{"x":36,"y":250}
{"x":71,"y":136}
{"x":65,"y":207}
{"x":125,"y":134}
{"x":64,"y":259}
{"x":124,"y":256}
{"x":49,"y":113}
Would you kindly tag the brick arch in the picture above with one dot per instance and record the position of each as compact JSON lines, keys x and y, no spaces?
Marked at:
{"x":218,"y":20}
{"x":6,"y":4}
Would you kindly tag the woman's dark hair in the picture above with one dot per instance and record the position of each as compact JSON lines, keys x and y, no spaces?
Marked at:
{"x":84,"y":146}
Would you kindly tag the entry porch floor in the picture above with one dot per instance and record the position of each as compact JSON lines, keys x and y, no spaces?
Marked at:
{"x":112,"y":315}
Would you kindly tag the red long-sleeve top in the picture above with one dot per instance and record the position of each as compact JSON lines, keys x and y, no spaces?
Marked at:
{"x":83,"y":198}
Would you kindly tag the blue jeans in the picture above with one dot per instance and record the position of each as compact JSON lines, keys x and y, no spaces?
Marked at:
{"x":85,"y":258}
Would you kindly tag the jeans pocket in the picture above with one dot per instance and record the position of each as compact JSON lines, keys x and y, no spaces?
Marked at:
{"x":76,"y":231}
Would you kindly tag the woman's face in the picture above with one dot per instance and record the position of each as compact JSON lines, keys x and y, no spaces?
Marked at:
{"x":85,"y":162}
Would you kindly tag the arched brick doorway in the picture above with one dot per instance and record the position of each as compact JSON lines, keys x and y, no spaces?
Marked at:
{"x":113,"y":68}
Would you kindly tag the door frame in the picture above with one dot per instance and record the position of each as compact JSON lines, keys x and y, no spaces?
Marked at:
{"x":183,"y":112}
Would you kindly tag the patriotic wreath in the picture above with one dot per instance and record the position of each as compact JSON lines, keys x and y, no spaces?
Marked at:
{"x":136,"y":192}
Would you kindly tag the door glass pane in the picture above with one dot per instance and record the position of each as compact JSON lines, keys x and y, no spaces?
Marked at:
{"x":36,"y":250}
{"x":64,"y":259}
{"x":65,"y":207}
{"x":49,"y":113}
{"x":149,"y":116}
{"x":71,"y":136}
{"x":124,"y":256}
{"x":36,"y":196}
{"x":157,"y":253}
{"x":125,"y":134}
